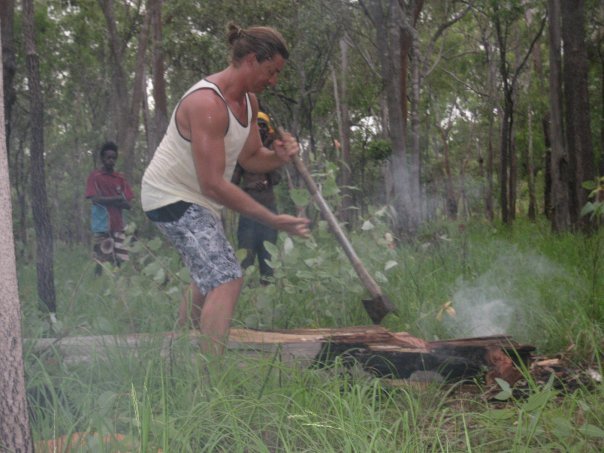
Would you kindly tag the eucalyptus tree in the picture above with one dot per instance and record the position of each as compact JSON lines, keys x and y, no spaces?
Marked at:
{"x":387,"y":17}
{"x":128,"y":92}
{"x":572,"y":160}
{"x":156,"y":124}
{"x":406,"y":59}
{"x":351,"y":111}
{"x":7,"y":13}
{"x":39,"y":199}
{"x":438,"y":52}
{"x":513,"y":56}
{"x":577,"y":123}
{"x":15,"y":432}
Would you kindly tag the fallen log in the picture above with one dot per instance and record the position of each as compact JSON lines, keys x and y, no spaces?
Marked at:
{"x":395,"y":355}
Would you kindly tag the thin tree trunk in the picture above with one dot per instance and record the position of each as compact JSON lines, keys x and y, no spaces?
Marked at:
{"x":492,"y":103}
{"x":577,"y":112}
{"x":450,"y":195}
{"x":513,"y":179}
{"x":39,"y":201}
{"x":160,"y":118}
{"x":601,"y":172}
{"x":388,"y":19}
{"x":547,"y":167}
{"x":559,"y":158}
{"x":415,"y":163}
{"x":15,"y":432}
{"x":343,"y":118}
{"x":9,"y":64}
{"x":127,"y":107}
{"x":601,"y":55}
{"x":530,"y":168}
{"x":19,"y":184}
{"x":530,"y":159}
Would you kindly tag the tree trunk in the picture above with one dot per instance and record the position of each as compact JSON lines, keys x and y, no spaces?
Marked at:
{"x":544,"y":120}
{"x":127,"y":107}
{"x":507,"y":120}
{"x":560,"y":202}
{"x":388,"y":19}
{"x":513,"y":179}
{"x":547,"y":168}
{"x":492,"y":103}
{"x":509,"y":78}
{"x":15,"y":433}
{"x":576,"y":103}
{"x":414,"y":152}
{"x":450,"y":195}
{"x":160,"y":117}
{"x":39,"y":200}
{"x":601,"y":55}
{"x":530,"y":169}
{"x":7,"y":12}
{"x":343,"y":117}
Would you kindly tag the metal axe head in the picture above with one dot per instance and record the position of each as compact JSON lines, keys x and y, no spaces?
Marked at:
{"x":378,"y":307}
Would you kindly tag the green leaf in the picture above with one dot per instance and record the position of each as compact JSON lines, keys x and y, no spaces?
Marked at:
{"x":160,"y":276}
{"x":381,"y":277}
{"x":537,"y":401}
{"x":300,"y":197}
{"x":271,"y":248}
{"x":592,"y":431}
{"x":154,"y":244}
{"x":288,"y":245}
{"x":136,"y":247}
{"x":330,"y":188}
{"x":588,"y":208}
{"x":562,"y":427}
{"x":367,"y":225}
{"x":500,"y":414}
{"x":311,"y":262}
{"x":506,"y":390}
{"x":390,"y":264}
{"x":151,"y":268}
{"x":240,"y":254}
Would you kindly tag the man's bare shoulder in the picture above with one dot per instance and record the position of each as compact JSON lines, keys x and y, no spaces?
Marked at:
{"x":204,"y":109}
{"x":203,"y":98}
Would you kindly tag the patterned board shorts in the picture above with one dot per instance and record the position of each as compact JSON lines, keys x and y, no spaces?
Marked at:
{"x":199,"y":238}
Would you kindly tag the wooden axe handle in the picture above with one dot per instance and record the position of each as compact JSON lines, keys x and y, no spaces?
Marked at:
{"x":361,"y":271}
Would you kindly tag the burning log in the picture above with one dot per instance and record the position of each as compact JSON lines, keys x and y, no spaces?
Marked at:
{"x":395,"y":355}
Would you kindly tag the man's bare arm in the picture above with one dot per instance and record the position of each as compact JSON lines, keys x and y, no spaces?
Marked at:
{"x":207,"y":117}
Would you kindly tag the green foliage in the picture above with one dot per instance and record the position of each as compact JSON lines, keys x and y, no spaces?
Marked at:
{"x":183,"y":401}
{"x":595,"y":207}
{"x":379,"y":149}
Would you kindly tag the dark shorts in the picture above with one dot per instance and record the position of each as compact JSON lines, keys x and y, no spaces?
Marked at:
{"x":199,"y":238}
{"x":251,"y":234}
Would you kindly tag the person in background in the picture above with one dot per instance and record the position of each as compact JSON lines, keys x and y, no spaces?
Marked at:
{"x":188,"y":180}
{"x":109,"y":193}
{"x":250,"y":233}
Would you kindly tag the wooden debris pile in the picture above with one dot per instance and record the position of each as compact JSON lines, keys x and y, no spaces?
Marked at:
{"x":397,"y":355}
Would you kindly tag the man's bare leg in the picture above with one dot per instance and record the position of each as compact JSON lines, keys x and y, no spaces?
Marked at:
{"x":216,"y":316}
{"x":189,"y":311}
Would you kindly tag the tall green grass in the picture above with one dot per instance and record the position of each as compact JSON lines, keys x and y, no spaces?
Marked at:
{"x":542,"y":289}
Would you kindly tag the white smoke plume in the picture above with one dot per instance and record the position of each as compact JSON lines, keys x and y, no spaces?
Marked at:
{"x":506,"y":297}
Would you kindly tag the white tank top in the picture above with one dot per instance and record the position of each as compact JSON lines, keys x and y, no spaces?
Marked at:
{"x":171,"y":175}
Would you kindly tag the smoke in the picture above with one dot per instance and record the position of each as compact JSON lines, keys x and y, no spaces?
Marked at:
{"x":507,"y":298}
